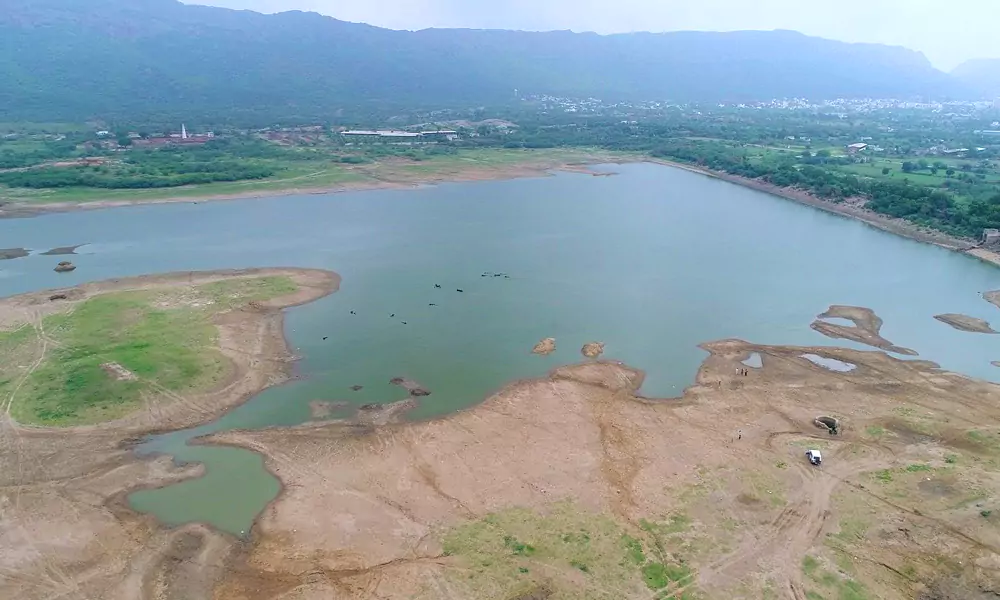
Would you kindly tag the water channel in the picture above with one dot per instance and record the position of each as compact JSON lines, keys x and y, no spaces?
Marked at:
{"x":652,"y":262}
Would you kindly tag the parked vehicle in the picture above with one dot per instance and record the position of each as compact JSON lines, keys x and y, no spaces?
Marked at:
{"x":814,"y":457}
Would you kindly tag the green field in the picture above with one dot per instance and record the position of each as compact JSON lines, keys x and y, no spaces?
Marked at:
{"x":165,"y":340}
{"x":923,"y":177}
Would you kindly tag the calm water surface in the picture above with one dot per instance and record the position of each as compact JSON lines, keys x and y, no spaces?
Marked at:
{"x":651,"y":262}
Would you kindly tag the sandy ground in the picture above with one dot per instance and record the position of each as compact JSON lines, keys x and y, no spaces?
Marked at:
{"x":65,"y":531}
{"x":965,"y":323}
{"x":362,"y":511}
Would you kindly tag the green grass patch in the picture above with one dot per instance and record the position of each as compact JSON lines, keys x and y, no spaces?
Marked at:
{"x":917,"y":467}
{"x":506,"y":552}
{"x":658,"y":576}
{"x":852,"y":530}
{"x":875,"y":431}
{"x":634,"y":551}
{"x":835,"y":586}
{"x":809,"y":565}
{"x":885,"y":476}
{"x":233,"y":292}
{"x":163,"y":348}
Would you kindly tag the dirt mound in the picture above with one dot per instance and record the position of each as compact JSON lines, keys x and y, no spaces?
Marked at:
{"x":592,"y":349}
{"x":829,"y":423}
{"x":965,"y":323}
{"x":545,"y":347}
{"x":118,"y":372}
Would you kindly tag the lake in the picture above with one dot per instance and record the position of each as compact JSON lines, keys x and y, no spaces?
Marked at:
{"x":652,"y":262}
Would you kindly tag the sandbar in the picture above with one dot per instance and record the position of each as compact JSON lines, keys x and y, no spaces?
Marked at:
{"x":965,"y":323}
{"x":867,"y":326}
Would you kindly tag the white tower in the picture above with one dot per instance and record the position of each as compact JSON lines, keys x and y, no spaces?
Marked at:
{"x":184,"y":132}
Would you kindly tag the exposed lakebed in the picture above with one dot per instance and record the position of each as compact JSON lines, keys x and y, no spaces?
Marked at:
{"x":652,"y":263}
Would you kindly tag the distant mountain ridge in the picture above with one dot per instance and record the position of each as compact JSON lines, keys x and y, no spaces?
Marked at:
{"x":981,"y":74}
{"x":130,"y":59}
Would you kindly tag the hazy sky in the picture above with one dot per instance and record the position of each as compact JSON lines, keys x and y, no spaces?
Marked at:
{"x":947,"y":32}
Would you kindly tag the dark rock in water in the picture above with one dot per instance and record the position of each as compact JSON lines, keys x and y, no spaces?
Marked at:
{"x":357,"y":388}
{"x":65,"y":267}
{"x":62,"y":250}
{"x":10,"y":253}
{"x":414,"y":388}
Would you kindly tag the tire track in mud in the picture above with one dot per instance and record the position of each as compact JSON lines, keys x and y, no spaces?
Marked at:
{"x":797,"y":527}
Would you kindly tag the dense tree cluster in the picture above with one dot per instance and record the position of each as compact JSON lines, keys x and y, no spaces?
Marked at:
{"x":166,"y":167}
{"x":924,"y":205}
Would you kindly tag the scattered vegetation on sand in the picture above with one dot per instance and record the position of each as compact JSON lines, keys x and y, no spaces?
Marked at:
{"x":234,"y":292}
{"x":569,"y":552}
{"x":165,"y":343}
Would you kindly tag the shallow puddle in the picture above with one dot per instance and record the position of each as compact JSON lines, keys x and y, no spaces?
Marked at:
{"x":754,"y":361}
{"x":831,"y":364}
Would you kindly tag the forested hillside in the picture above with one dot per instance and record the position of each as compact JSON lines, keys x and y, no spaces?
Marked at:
{"x":139,"y":59}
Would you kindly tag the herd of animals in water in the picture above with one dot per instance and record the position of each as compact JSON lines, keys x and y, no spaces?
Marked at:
{"x":438,"y":287}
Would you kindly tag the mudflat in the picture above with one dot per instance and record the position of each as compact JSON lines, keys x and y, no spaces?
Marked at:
{"x":573,"y":486}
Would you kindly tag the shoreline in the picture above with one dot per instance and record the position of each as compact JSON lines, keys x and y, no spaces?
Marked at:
{"x":540,"y":168}
{"x":412,"y":479}
{"x":900,"y":227}
{"x":268,"y":336}
{"x":526,"y":170}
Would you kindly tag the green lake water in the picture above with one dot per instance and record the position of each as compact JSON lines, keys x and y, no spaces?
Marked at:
{"x":652,"y":262}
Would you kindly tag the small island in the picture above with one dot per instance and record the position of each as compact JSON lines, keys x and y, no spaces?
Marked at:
{"x":866,"y":329}
{"x":965,"y":323}
{"x":545,"y":347}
